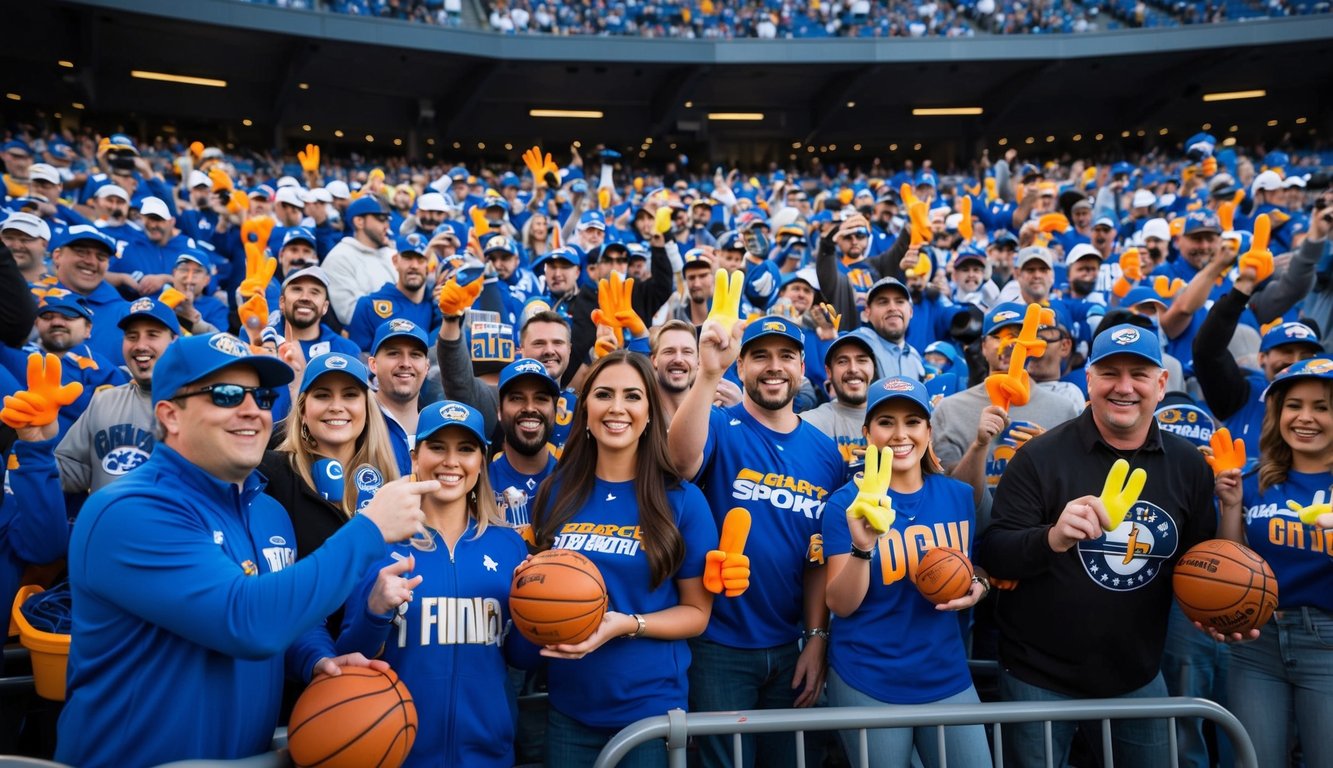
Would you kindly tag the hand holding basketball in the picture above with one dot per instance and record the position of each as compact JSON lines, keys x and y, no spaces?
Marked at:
{"x":1081,"y":520}
{"x":613,"y":625}
{"x":396,"y":508}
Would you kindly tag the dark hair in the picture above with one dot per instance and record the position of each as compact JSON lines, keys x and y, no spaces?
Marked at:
{"x":544,"y":316}
{"x":654,"y":475}
{"x":1274,"y":454}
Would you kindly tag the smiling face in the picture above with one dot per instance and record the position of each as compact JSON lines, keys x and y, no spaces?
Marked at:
{"x":59,"y":333}
{"x":412,"y":268}
{"x":1124,"y":391}
{"x":548,"y":344}
{"x":304,"y":302}
{"x":771,"y":369}
{"x":850,"y":372}
{"x":1197,"y":249}
{"x":527,"y":416}
{"x":228,"y":443}
{"x":81,"y":266}
{"x":452,"y":456}
{"x":400,"y":366}
{"x":1305,"y":421}
{"x":676,"y":360}
{"x":334,"y":411}
{"x":144,"y":342}
{"x":617,"y":408}
{"x":889,"y":312}
{"x":902,"y":427}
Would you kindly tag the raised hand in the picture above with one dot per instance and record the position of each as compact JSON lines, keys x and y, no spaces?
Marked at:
{"x":254,"y":235}
{"x":921,"y":233}
{"x":727,"y":568}
{"x":965,"y":220}
{"x":253,"y":314}
{"x":455,"y":299}
{"x":726,"y":309}
{"x":1227,"y":453}
{"x":1259,"y":258}
{"x":1131,"y":272}
{"x":40,"y":403}
{"x":532,"y":158}
{"x":309,"y":158}
{"x":616,"y":308}
{"x":392,"y":588}
{"x":221,"y":181}
{"x":872,"y":502}
{"x":1226,"y":212}
{"x":1309,"y":513}
{"x":1120,"y":495}
{"x":259,"y":270}
{"x":1167,"y":288}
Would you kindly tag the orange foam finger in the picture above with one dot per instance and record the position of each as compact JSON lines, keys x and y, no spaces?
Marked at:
{"x":735,"y":531}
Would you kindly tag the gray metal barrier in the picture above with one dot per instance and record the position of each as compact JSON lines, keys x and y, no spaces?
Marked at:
{"x":677,"y":726}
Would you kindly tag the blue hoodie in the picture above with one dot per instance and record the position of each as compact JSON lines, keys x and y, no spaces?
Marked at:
{"x":33,"y":527}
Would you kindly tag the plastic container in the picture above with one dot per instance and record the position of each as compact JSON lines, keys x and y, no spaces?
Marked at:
{"x":49,"y":651}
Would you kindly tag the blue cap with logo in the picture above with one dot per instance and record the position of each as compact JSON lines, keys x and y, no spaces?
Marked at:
{"x":1200,"y":222}
{"x":193,"y":358}
{"x":1290,"y":333}
{"x":366,"y":205}
{"x":1003,"y":316}
{"x":398,"y":327}
{"x":1189,"y":421}
{"x":593,"y":220}
{"x":1314,"y":368}
{"x":70,"y":305}
{"x":84,"y":233}
{"x":154,"y":310}
{"x":1003,"y":237}
{"x":897,"y":388}
{"x":298,"y":235}
{"x":450,"y":413}
{"x":413,"y":243}
{"x":567,"y":253}
{"x":334,"y":362}
{"x":1126,"y":339}
{"x":850,"y":338}
{"x":773,"y":325}
{"x":886,"y":283}
{"x":527,"y":368}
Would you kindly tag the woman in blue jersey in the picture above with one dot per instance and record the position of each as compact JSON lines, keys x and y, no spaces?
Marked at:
{"x":437,"y":609}
{"x":616,"y":498}
{"x":1284,"y":676}
{"x":888,"y":644}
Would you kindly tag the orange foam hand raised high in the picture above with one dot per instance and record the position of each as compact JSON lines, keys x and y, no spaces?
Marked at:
{"x":1166,"y":287}
{"x":253,"y":314}
{"x":965,"y":218}
{"x":920,"y":224}
{"x":727,"y":290}
{"x":1119,"y":495}
{"x":1226,"y":211}
{"x":1015,"y":387}
{"x":259,"y":270}
{"x":40,"y":403}
{"x":616,"y":309}
{"x":1227,"y":453}
{"x":1259,"y":258}
{"x":872,"y":502}
{"x":727,"y":568}
{"x":538,"y":165}
{"x":254,"y":236}
{"x":455,"y":299}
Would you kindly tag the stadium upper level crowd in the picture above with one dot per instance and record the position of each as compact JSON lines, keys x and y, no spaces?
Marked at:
{"x":773,"y":19}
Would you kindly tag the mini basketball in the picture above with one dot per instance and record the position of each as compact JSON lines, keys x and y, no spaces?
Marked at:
{"x":943,"y":574}
{"x":558,"y":598}
{"x":1226,"y":586}
{"x":361,"y":717}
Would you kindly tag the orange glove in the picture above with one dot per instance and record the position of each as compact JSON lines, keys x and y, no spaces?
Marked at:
{"x":604,"y":198}
{"x":615,"y":309}
{"x":1052,"y":223}
{"x":171,"y":297}
{"x":41,"y":402}
{"x":965,"y":220}
{"x":255,"y":232}
{"x":1259,"y":258}
{"x":532,"y":158}
{"x":254,"y":316}
{"x":1227,"y":453}
{"x":455,"y":298}
{"x":259,"y":270}
{"x":1208,"y":167}
{"x":1226,"y":212}
{"x":480,"y":226}
{"x":220,"y":179}
{"x":908,"y":196}
{"x":727,"y":568}
{"x":309,"y":158}
{"x":196,"y":150}
{"x":921,"y":233}
{"x":1167,"y":288}
{"x":239,"y":202}
{"x":1005,"y":389}
{"x":1131,"y":271}
{"x":1015,"y":387}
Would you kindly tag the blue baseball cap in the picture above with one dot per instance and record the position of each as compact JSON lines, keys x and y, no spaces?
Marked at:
{"x":84,"y":233}
{"x":16,"y":145}
{"x":70,"y":305}
{"x":567,"y":253}
{"x":526,"y":367}
{"x":731,"y":241}
{"x":497,"y":244}
{"x":1201,"y":221}
{"x":1143,"y":294}
{"x":192,"y":358}
{"x":194,"y":257}
{"x":897,"y":388}
{"x":450,"y":413}
{"x":844,"y":340}
{"x":153,"y":309}
{"x":122,"y":143}
{"x":969,"y":253}
{"x":593,"y":220}
{"x":886,"y":283}
{"x":1290,"y":333}
{"x":1320,"y":367}
{"x":927,"y":179}
{"x":773,"y":325}
{"x":334,"y":362}
{"x":366,"y":205}
{"x":637,"y":251}
{"x":1126,"y":339}
{"x":398,"y":327}
{"x":296,"y":235}
{"x":413,"y":243}
{"x":1002,"y":316}
{"x":1003,"y":237}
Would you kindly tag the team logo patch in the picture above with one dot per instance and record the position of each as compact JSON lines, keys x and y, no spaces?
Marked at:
{"x":775,"y":326}
{"x":1188,"y":421}
{"x":530,"y":366}
{"x":1000,"y":317}
{"x":335,"y":362}
{"x":453,"y":412}
{"x":1297,"y":331}
{"x":1319,"y":366}
{"x":1133,"y":554}
{"x":402,"y":326}
{"x":383,"y":308}
{"x":368,"y":479}
{"x":897,"y":385}
{"x":1125,"y":336}
{"x":122,"y":461}
{"x":228,"y":345}
{"x":141,"y":305}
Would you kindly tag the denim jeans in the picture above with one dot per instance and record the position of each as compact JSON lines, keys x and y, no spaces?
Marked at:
{"x":1135,"y":743}
{"x":1285,"y":678}
{"x":892,"y":747}
{"x":1193,"y":664}
{"x":571,"y":744}
{"x":724,"y":679}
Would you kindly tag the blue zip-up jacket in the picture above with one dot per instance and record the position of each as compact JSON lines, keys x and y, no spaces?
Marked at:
{"x":450,"y":644}
{"x":387,"y":304}
{"x":187,"y":594}
{"x":33,"y":526}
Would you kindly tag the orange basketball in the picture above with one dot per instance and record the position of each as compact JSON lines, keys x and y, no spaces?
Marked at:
{"x":943,"y":574}
{"x":361,"y":717}
{"x":557,"y":598}
{"x":1222,"y":584}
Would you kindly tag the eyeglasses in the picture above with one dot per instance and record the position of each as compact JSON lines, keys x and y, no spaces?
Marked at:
{"x":615,"y":259}
{"x":858,"y":236}
{"x":232,"y":395}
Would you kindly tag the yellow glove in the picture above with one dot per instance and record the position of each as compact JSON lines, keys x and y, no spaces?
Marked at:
{"x":1259,"y":258}
{"x":921,"y":233}
{"x":1226,"y":212}
{"x":726,"y":310}
{"x":1089,"y":174}
{"x":309,"y":158}
{"x":992,"y":190}
{"x":455,"y":298}
{"x":1131,"y":269}
{"x":171,"y":297}
{"x":220,"y":179}
{"x":662,"y":220}
{"x":1119,"y":496}
{"x":1167,"y":288}
{"x":1308,"y":513}
{"x":965,"y":222}
{"x":1227,"y":454}
{"x":922,"y":267}
{"x":872,"y":503}
{"x":41,"y":402}
{"x":604,"y":198}
{"x":254,"y":316}
{"x":909,"y":197}
{"x":259,"y":270}
{"x":727,"y":568}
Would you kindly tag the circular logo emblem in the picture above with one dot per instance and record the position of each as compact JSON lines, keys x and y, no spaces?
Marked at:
{"x":1133,"y":554}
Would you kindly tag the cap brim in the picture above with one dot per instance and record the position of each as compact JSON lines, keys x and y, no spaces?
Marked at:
{"x":423,"y":436}
{"x":1114,"y":352}
{"x":399,"y":335}
{"x":546,"y":380}
{"x":800,"y":343}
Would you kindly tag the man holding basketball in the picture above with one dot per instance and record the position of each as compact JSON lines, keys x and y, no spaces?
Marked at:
{"x":1088,"y":616}
{"x":186,"y":589}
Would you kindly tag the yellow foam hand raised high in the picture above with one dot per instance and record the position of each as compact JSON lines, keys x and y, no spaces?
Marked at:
{"x":259,"y":270}
{"x":992,"y":189}
{"x":615,"y":306}
{"x":1167,"y":288}
{"x":1120,"y":495}
{"x":1053,"y":222}
{"x":965,"y":220}
{"x":872,"y":502}
{"x":1226,"y":212}
{"x":726,"y":310}
{"x":920,"y":224}
{"x":1227,"y":453}
{"x":309,"y":158}
{"x":41,"y":402}
{"x":727,"y":568}
{"x":662,"y":220}
{"x":909,"y":197}
{"x":1309,"y":513}
{"x":455,"y":298}
{"x":1259,"y":258}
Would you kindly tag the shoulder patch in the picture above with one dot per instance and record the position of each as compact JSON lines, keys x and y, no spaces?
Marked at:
{"x":383,"y":308}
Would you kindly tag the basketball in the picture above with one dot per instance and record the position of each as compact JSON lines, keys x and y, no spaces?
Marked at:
{"x":1226,"y":586}
{"x":943,"y":574}
{"x":361,"y":717}
{"x":558,"y":598}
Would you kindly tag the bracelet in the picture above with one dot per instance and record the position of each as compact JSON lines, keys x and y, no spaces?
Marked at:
{"x":643,"y":626}
{"x":452,"y":318}
{"x":861,"y":554}
{"x":984,"y":582}
{"x":816,"y":632}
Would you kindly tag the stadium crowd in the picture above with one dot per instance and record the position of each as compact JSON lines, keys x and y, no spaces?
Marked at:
{"x":277,"y":411}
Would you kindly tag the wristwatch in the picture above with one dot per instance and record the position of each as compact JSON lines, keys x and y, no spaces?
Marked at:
{"x":815,"y":632}
{"x":984,"y":582}
{"x":861,"y":554}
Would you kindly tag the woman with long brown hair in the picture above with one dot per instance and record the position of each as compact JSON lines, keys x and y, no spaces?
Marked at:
{"x":616,"y":498}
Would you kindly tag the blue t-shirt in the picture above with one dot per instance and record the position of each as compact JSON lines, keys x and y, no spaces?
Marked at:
{"x":515,"y":490}
{"x":628,"y":679}
{"x":1247,"y":423}
{"x":783,"y":480}
{"x":1297,"y":553}
{"x":896,"y":647}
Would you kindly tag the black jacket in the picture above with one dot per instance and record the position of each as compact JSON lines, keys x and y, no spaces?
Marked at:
{"x":313,"y":518}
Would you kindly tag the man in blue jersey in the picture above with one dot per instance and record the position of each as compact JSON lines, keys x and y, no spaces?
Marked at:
{"x":79,"y":259}
{"x":186,"y":572}
{"x":760,"y":456}
{"x":399,"y":358}
{"x":527,"y":418}
{"x":405,"y":299}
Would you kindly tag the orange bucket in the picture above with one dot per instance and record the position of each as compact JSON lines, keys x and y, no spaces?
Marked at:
{"x":49,"y":651}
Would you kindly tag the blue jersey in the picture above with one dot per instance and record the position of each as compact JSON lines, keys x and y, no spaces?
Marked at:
{"x":564,"y":417}
{"x":195,"y":579}
{"x":33,"y":526}
{"x":448,"y":645}
{"x":514,"y":490}
{"x":108,"y":308}
{"x":1299,"y":554}
{"x":145,"y":257}
{"x":328,"y":342}
{"x":401,"y":441}
{"x":783,"y":480}
{"x":1247,"y":423}
{"x":895,"y":647}
{"x":629,"y":678}
{"x":387,"y":304}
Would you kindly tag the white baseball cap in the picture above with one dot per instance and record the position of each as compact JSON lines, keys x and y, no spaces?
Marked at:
{"x":338,"y":189}
{"x":1143,"y":199}
{"x":44,"y":172}
{"x":320,"y":195}
{"x":289,"y":195}
{"x":199,"y":179}
{"x":1157,"y":228}
{"x":155,"y":206}
{"x":432,"y":201}
{"x":288,"y":181}
{"x":28,"y":224}
{"x":112,"y":190}
{"x":1266,"y":180}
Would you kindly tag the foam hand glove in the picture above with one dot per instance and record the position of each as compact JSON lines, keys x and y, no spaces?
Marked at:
{"x":1089,"y":174}
{"x":1120,"y":495}
{"x":532,"y":158}
{"x":872,"y":503}
{"x":604,"y":198}
{"x":615,"y":306}
{"x":1227,"y":453}
{"x":551,"y":173}
{"x":1015,"y":387}
{"x":41,"y":402}
{"x":1167,"y":288}
{"x":1208,"y":167}
{"x":921,"y":233}
{"x":814,"y":553}
{"x":1308,"y":513}
{"x":1006,"y":389}
{"x":727,"y":568}
{"x":908,"y":197}
{"x":309,"y":158}
{"x":455,"y":299}
{"x":259,"y":270}
{"x":1226,"y":212}
{"x":922,"y":266}
{"x":662,"y":220}
{"x":1259,"y":258}
{"x":374,"y":181}
{"x":1052,"y":223}
{"x":480,"y":226}
{"x":254,"y":316}
{"x":197,"y":151}
{"x":1131,"y":272}
{"x":255,"y":232}
{"x":727,"y":290}
{"x":965,"y":220}
{"x":606,"y":343}
{"x":171,"y":297}
{"x":992,"y":189}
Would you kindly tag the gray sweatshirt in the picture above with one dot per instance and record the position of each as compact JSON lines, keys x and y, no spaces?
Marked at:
{"x":843,"y":424}
{"x":954,"y":425}
{"x":112,"y":437}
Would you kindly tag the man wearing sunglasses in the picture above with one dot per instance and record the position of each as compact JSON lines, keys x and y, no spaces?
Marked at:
{"x":187,"y":572}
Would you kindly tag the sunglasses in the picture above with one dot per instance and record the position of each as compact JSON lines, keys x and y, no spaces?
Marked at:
{"x":232,"y":395}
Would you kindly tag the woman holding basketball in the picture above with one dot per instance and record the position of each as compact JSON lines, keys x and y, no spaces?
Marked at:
{"x":616,"y":498}
{"x":1285,"y":675}
{"x":888,"y":644}
{"x":438,"y":607}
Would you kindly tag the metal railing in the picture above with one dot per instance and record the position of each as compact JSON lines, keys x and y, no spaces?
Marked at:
{"x":677,"y":726}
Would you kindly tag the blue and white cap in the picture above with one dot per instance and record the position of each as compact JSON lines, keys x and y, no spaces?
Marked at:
{"x":1314,"y":368}
{"x":773,"y":325}
{"x":897,"y":388}
{"x":334,"y":362}
{"x":524,"y":368}
{"x":192,"y":358}
{"x":1126,"y":339}
{"x":450,"y":413}
{"x":1290,"y":333}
